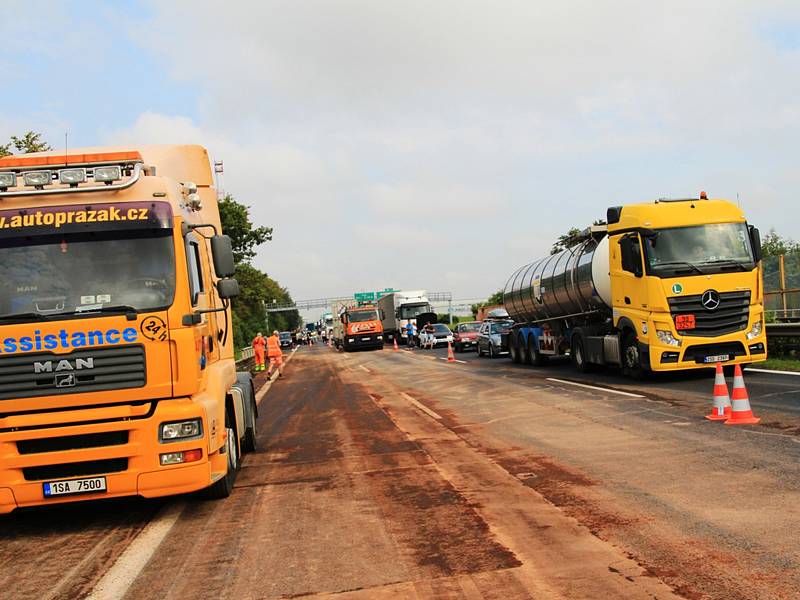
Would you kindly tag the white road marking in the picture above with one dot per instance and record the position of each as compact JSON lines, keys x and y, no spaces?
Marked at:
{"x":463,"y":362}
{"x":118,"y":579}
{"x":772,"y":371}
{"x":421,"y":406}
{"x":594,"y":387}
{"x":115,"y":583}
{"x":365,"y":368}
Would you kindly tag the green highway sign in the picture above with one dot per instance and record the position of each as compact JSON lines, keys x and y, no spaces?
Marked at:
{"x":364,"y":296}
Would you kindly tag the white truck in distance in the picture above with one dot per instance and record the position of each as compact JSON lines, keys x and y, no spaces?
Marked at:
{"x":398,"y":309}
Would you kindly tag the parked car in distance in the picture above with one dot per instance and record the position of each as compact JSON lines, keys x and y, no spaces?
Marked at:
{"x":465,"y":335}
{"x":441,"y":335}
{"x":493,"y":338}
{"x":286,"y":338}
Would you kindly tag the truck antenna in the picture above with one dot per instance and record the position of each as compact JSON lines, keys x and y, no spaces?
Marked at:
{"x":66,"y":148}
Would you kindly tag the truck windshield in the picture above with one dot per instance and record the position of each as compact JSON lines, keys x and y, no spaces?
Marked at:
{"x":701,"y":249}
{"x":359,"y":316}
{"x":86,"y":272}
{"x":409,"y":311}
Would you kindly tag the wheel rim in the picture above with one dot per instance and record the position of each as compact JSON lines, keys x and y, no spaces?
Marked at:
{"x":578,"y":354}
{"x":632,"y":357}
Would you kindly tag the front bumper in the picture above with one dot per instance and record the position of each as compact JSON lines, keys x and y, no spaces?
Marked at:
{"x":701,"y":353}
{"x":364,"y":340}
{"x":132,"y":468}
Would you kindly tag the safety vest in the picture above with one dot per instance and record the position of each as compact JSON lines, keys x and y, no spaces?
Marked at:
{"x":273,"y":346}
{"x":259,"y":342}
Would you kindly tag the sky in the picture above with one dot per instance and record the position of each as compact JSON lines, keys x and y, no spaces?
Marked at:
{"x":426,"y":144}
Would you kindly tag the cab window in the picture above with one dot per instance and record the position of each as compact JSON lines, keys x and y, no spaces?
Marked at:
{"x":196,"y":284}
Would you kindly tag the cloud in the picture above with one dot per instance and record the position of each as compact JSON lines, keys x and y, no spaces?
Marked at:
{"x":349,"y":125}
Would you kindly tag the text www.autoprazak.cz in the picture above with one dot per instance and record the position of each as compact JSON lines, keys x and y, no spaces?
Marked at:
{"x":57,"y":219}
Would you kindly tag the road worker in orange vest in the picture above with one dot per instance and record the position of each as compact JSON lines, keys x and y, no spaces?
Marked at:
{"x":259,"y":345}
{"x":274,"y":354}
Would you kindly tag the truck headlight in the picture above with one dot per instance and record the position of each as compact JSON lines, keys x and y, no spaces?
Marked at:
{"x":72,"y":176}
{"x":755,"y":331}
{"x":666,"y":337}
{"x":180,"y":430}
{"x":107,"y":174}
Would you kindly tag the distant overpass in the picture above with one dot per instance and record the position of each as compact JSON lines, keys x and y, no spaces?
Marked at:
{"x":437,"y":299}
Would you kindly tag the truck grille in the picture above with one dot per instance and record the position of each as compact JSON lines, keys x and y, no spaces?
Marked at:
{"x":731,"y":315}
{"x":79,"y":469}
{"x":80,"y":371}
{"x":72,"y":442}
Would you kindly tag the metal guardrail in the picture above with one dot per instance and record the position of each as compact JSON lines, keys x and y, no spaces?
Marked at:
{"x":783,"y":330}
{"x":247,"y":355}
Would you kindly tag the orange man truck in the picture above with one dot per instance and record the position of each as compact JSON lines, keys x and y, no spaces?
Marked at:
{"x":117,"y":375}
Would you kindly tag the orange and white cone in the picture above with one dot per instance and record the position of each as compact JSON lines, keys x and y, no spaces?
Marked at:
{"x":721,"y":410}
{"x":741,"y":413}
{"x":450,"y":356}
{"x":396,"y":349}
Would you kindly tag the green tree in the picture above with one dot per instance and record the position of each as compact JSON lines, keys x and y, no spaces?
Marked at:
{"x":244,"y":236}
{"x":256,"y":288}
{"x":567,"y":240}
{"x":774,"y":245}
{"x":30,"y":142}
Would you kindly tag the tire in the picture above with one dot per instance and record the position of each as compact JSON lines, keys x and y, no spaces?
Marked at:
{"x":524,"y":349}
{"x":513,"y":348}
{"x":492,"y":352}
{"x":578,"y":354}
{"x":249,"y":442}
{"x":537,"y":358}
{"x":478,"y":350}
{"x":458,"y":348}
{"x":224,"y":486}
{"x":631,"y":357}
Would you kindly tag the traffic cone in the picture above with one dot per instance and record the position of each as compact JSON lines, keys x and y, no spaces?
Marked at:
{"x":450,"y":356}
{"x":741,"y":413}
{"x":396,"y":349}
{"x":721,"y":410}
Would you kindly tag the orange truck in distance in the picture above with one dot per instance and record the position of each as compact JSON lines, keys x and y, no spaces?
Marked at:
{"x":357,"y":326}
{"x":117,"y":374}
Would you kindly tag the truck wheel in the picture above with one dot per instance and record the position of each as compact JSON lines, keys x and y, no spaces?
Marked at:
{"x":578,"y":353}
{"x":249,"y":442}
{"x":537,"y":358}
{"x":631,"y":357}
{"x":224,"y":486}
{"x":525,"y":349}
{"x":513,"y":350}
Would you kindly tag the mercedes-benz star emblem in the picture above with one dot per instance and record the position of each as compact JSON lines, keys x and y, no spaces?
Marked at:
{"x":710,"y":299}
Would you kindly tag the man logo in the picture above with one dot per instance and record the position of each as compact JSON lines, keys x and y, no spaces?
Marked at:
{"x":51,"y":366}
{"x":710,"y":299}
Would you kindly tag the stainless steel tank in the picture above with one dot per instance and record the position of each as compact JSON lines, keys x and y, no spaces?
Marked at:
{"x":573,"y":282}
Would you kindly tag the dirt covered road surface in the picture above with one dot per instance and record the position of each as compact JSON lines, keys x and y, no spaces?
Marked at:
{"x":397,"y":475}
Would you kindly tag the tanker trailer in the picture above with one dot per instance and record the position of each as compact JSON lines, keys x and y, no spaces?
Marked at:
{"x":666,"y":286}
{"x":552,"y":298}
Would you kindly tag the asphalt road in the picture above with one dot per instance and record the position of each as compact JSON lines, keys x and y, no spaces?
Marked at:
{"x":400,"y":475}
{"x":775,"y":395}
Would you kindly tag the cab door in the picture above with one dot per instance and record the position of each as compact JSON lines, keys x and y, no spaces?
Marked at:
{"x":628,"y":287}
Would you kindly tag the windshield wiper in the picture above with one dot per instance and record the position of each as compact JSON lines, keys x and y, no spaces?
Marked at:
{"x":728,"y":262}
{"x":675,"y":263}
{"x":117,"y":308}
{"x":23,"y":316}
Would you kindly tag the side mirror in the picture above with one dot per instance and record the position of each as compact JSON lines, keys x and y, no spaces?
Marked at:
{"x":382,"y":314}
{"x":227,"y":288}
{"x":222,"y":253}
{"x":755,"y":240}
